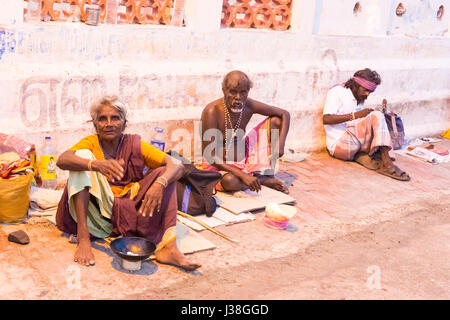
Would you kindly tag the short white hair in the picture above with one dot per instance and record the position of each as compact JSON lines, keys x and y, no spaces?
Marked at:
{"x":111,"y":101}
{"x":239,"y":73}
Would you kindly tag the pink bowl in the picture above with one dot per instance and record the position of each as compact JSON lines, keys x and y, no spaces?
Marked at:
{"x":279,"y":225}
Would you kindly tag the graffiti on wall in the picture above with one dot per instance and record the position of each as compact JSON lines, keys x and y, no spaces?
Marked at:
{"x":58,"y":101}
{"x":7,"y":42}
{"x":52,"y":101}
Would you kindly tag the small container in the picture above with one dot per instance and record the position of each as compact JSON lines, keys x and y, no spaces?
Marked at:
{"x":92,"y":15}
{"x":277,"y":216}
{"x":47,"y":164}
{"x":278,"y":225}
{"x":131,"y":265}
{"x":158,"y":139}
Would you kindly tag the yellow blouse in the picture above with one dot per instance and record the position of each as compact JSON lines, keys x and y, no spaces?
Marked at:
{"x":153,"y":157}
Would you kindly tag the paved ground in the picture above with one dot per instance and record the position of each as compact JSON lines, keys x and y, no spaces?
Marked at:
{"x":358,"y":235}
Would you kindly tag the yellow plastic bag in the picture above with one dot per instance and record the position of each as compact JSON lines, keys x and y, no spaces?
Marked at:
{"x":446,"y":134}
{"x":15,"y":198}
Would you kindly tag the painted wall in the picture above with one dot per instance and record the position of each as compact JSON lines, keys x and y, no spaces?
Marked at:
{"x":50,"y":73}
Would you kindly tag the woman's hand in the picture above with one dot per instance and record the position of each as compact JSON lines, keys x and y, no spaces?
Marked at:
{"x":152,"y":200}
{"x":112,"y":169}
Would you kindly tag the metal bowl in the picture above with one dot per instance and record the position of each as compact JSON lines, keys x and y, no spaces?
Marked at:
{"x":133,"y":248}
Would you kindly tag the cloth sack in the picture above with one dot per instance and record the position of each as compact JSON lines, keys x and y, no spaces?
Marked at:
{"x":15,"y":198}
{"x":396,"y":129}
{"x":195,"y":189}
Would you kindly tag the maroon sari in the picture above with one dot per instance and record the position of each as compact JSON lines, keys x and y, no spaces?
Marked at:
{"x":125,"y":219}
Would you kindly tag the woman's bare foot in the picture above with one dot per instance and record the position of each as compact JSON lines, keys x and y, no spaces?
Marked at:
{"x":83,"y":254}
{"x":170,"y":254}
{"x":272,"y":182}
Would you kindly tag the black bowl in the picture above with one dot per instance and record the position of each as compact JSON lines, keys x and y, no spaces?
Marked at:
{"x":142,"y":248}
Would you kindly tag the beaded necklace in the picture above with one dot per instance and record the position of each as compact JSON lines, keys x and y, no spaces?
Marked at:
{"x":233,"y":130}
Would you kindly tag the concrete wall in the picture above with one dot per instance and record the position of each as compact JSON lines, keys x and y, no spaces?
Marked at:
{"x":51,"y":72}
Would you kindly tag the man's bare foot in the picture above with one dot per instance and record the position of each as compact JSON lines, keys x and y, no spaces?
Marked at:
{"x":170,"y":254}
{"x":272,"y":182}
{"x":83,"y":254}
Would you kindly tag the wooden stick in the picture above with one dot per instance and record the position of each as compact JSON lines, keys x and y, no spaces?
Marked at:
{"x":206,"y":226}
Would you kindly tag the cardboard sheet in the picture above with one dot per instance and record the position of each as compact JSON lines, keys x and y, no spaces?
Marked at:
{"x":189,"y":241}
{"x":231,"y":218}
{"x":249,"y":201}
{"x":210,"y":221}
{"x":220,"y":217}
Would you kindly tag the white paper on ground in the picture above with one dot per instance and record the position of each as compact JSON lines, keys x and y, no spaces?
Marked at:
{"x":220,"y":217}
{"x":424,"y":155}
{"x":249,"y":201}
{"x":231,"y":218}
{"x":210,"y":221}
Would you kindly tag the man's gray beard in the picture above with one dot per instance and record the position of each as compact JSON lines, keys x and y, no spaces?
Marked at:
{"x":236,"y":110}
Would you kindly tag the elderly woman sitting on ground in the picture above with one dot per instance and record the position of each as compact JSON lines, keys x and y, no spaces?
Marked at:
{"x":108,"y":195}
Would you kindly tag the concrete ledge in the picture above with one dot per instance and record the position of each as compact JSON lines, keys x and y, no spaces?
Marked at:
{"x":52,"y":73}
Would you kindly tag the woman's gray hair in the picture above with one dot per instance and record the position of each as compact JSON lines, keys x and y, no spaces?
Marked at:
{"x":111,"y":101}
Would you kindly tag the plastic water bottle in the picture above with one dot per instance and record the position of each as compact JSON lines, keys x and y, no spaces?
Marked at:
{"x":158,"y":139}
{"x":47,"y":164}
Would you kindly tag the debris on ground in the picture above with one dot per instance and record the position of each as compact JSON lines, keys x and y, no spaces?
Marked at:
{"x":294,"y":156}
{"x":20,"y":237}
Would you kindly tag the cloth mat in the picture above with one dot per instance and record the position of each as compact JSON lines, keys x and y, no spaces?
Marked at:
{"x":44,"y":203}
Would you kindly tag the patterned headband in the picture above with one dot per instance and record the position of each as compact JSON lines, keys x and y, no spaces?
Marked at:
{"x":369,"y":85}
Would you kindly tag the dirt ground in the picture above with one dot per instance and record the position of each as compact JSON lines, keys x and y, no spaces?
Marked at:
{"x":357,"y":235}
{"x":410,"y":255}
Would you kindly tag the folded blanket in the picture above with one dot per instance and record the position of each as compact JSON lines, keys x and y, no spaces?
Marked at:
{"x":43,"y":199}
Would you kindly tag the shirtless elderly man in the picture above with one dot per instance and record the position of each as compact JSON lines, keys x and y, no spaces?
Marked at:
{"x":354,"y":132}
{"x":246,"y":161}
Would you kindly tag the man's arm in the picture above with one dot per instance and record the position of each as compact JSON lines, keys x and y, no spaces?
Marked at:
{"x":174,"y":169}
{"x":333,"y":104}
{"x":271,"y":111}
{"x":340,"y":118}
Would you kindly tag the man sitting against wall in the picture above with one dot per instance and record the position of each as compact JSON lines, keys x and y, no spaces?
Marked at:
{"x":245,"y":161}
{"x":354,"y":132}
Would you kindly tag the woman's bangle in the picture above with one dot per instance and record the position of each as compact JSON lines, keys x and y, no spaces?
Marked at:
{"x":90,"y":165}
{"x":161,"y":177}
{"x":161,"y":183}
{"x":353,"y":116}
